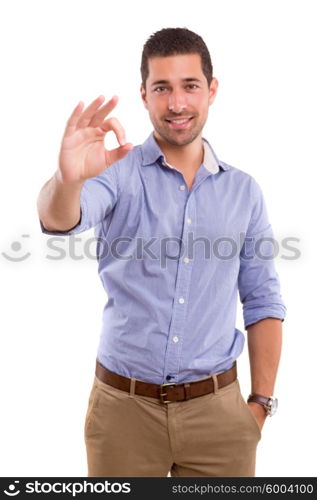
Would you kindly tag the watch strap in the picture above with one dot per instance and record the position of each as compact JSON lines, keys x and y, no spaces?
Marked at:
{"x":258,"y":398}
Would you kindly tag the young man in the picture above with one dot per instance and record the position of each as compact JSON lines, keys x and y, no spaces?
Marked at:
{"x":179,"y":234}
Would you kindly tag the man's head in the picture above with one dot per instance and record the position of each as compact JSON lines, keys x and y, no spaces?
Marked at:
{"x":177,"y":84}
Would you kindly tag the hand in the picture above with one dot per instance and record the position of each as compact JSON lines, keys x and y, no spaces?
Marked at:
{"x":82,"y":154}
{"x":259,"y":413}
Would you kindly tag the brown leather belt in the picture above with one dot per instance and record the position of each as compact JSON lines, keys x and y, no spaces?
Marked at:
{"x":167,"y":393}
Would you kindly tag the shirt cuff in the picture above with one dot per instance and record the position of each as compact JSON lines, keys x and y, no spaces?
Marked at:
{"x":255,"y":315}
{"x":78,"y":228}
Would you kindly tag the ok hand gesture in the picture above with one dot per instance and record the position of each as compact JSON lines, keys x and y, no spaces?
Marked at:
{"x":82,"y":154}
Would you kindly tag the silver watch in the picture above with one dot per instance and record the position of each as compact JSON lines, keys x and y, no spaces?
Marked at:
{"x":269,"y":402}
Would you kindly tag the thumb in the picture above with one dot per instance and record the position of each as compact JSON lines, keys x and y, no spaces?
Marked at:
{"x":117,"y":154}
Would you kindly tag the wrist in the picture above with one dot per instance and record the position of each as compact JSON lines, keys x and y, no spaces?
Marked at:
{"x":258,"y":408}
{"x":60,"y":180}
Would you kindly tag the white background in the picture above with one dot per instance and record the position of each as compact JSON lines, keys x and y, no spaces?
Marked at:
{"x":55,"y":54}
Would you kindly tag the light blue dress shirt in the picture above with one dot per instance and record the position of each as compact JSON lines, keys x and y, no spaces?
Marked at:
{"x":172,"y":262}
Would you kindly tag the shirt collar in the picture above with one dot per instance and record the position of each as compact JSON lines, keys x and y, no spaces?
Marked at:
{"x":151,"y":152}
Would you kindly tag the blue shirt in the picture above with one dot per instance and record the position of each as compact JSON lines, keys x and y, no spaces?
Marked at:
{"x":172,"y":262}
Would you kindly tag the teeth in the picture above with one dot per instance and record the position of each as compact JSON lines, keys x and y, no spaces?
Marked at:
{"x":180,"y":121}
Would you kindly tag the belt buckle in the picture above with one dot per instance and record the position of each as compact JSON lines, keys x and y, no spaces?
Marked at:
{"x":162,"y":394}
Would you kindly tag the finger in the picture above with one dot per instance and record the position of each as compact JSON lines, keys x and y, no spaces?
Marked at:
{"x":116,"y":127}
{"x":100,"y":115}
{"x":89,"y":112}
{"x":73,"y":119}
{"x":118,"y":153}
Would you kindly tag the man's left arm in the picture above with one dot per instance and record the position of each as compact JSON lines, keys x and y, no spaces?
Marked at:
{"x":264,"y":345}
{"x":263,"y":307}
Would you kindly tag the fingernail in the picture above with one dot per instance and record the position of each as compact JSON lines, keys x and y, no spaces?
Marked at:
{"x":122,"y":141}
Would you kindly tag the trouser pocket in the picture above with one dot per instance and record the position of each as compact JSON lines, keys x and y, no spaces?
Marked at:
{"x":249,"y":415}
{"x":92,"y":404}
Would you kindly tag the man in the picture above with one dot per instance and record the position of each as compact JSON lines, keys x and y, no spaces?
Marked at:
{"x":179,"y":234}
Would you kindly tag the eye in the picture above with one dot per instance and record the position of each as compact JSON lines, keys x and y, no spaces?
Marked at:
{"x":159,"y":89}
{"x":192,"y":86}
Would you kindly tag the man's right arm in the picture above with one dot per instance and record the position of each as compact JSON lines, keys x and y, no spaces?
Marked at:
{"x":58,"y":204}
{"x":82,"y":157}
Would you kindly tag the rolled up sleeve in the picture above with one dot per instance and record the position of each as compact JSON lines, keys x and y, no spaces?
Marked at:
{"x":98,"y":198}
{"x":258,"y":281}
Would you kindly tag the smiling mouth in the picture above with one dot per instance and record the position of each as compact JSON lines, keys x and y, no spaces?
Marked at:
{"x":179,"y":121}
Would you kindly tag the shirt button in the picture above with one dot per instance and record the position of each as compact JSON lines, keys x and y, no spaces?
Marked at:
{"x":175,"y":339}
{"x":186,"y":260}
{"x":189,"y":221}
{"x":181,"y":300}
{"x":182,"y":187}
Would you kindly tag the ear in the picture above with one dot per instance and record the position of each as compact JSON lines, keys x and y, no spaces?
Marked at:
{"x":143,"y":95}
{"x":213,"y":90}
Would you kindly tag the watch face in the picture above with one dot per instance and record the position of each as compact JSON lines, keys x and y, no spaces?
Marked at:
{"x":273,"y":406}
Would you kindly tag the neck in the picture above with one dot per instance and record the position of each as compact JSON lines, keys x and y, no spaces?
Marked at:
{"x":186,"y":157}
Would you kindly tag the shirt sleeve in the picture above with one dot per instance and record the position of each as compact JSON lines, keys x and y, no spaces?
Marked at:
{"x":258,"y":281}
{"x":98,"y":198}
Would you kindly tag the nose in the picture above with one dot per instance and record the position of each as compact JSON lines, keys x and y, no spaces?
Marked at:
{"x":177,"y":101}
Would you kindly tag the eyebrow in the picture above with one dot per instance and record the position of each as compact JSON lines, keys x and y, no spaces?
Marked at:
{"x":164,"y":82}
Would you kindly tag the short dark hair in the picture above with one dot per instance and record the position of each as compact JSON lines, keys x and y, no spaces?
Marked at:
{"x":173,"y":41}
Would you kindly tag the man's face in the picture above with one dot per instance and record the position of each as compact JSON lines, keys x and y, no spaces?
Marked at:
{"x":177,"y":97}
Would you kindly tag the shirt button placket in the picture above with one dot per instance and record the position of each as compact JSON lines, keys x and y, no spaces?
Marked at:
{"x":178,"y":323}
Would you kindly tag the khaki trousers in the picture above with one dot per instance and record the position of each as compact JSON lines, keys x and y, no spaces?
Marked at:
{"x":128,"y":435}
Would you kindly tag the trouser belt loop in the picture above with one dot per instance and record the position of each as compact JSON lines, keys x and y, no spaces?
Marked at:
{"x":132,"y":387}
{"x":187,"y":391}
{"x":215,"y":379}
